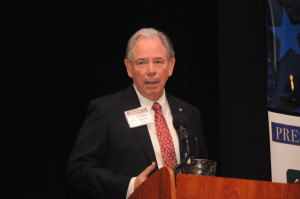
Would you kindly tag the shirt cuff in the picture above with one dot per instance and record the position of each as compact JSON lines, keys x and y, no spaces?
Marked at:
{"x":130,"y":189}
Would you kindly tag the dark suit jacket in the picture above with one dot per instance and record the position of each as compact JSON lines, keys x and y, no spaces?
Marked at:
{"x":108,"y":153}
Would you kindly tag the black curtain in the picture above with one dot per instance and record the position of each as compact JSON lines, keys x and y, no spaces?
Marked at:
{"x":244,"y":137}
{"x":59,"y":55}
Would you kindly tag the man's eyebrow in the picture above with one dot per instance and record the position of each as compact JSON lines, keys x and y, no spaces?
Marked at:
{"x":141,"y":59}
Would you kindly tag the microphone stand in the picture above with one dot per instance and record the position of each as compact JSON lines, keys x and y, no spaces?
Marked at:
{"x":184,"y":139}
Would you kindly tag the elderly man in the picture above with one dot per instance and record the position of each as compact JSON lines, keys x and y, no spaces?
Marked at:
{"x":129,"y":134}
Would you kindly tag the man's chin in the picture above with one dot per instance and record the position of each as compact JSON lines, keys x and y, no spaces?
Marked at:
{"x":154,"y":94}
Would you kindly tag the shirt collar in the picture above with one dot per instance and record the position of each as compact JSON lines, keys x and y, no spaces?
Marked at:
{"x":145,"y":102}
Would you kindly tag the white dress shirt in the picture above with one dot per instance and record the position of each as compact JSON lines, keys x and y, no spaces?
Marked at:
{"x":166,"y":111}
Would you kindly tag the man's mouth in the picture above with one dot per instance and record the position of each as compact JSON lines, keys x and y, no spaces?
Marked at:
{"x":151,"y":82}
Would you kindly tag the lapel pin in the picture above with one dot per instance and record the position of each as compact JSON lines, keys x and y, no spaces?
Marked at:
{"x":180,"y":109}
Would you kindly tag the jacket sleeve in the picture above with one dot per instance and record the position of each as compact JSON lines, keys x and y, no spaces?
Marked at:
{"x":86,"y":168}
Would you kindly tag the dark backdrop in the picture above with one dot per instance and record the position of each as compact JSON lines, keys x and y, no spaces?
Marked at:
{"x":59,"y":55}
{"x":244,"y":137}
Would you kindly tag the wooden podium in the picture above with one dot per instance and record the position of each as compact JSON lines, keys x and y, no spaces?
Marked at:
{"x":161,"y":185}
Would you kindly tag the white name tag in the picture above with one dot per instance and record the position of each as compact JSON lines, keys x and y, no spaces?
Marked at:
{"x":138,"y":117}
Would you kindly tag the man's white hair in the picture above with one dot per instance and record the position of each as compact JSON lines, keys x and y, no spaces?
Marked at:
{"x":150,"y":32}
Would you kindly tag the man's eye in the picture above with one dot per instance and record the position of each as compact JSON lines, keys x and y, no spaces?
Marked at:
{"x":158,"y":62}
{"x":141,"y":63}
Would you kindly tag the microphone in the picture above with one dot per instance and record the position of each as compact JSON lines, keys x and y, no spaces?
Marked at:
{"x":180,"y":123}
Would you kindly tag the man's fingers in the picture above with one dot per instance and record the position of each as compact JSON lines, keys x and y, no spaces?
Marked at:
{"x":143,"y":176}
{"x":149,"y":169}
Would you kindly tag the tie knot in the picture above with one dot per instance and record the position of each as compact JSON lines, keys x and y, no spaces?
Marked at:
{"x":156,"y":106}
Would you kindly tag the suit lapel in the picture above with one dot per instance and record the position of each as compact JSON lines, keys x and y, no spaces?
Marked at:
{"x":131,"y":101}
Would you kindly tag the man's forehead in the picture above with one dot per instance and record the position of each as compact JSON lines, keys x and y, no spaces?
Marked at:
{"x":148,"y":58}
{"x":149,"y":47}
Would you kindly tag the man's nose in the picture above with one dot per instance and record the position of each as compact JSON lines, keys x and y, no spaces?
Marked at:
{"x":151,"y":68}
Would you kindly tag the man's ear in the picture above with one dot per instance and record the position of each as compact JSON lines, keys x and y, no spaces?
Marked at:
{"x":171,"y":66}
{"x":128,"y":67}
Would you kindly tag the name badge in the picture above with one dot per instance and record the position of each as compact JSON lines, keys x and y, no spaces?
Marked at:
{"x":138,"y":117}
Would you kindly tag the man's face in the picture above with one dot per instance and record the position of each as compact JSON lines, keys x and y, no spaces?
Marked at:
{"x":150,"y":67}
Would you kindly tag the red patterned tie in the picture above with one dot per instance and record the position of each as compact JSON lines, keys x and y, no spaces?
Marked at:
{"x":164,"y":137}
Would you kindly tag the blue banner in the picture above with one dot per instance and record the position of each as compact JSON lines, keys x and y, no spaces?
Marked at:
{"x":284,"y":55}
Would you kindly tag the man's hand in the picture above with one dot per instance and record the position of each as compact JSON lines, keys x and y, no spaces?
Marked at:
{"x":143,"y":176}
